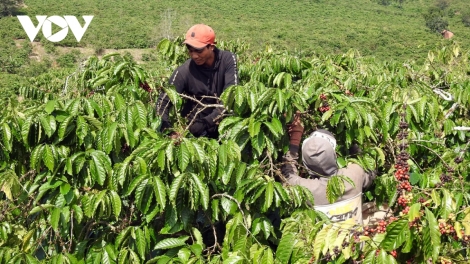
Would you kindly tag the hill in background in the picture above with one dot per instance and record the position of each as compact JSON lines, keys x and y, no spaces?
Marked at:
{"x":385,"y":29}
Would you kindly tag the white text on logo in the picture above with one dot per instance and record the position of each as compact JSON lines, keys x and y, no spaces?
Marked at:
{"x":64,"y":23}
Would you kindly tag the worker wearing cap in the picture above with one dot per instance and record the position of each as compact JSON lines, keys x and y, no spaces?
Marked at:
{"x":208,"y":72}
{"x":319,"y":158}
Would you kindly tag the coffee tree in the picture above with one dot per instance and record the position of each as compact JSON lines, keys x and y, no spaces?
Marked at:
{"x":86,"y":177}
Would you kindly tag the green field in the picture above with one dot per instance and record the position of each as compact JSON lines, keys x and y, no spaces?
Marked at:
{"x":303,"y":27}
{"x":387,"y":32}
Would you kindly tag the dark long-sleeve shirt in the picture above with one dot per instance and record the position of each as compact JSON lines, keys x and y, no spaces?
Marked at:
{"x":198,"y":81}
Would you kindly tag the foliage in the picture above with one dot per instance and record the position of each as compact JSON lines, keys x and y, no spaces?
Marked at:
{"x":435,"y":20}
{"x":69,"y":59}
{"x":466,"y":19}
{"x":85,"y":177}
{"x":127,"y":25}
{"x":9,"y":7}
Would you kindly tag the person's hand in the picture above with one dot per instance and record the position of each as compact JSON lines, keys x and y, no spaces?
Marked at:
{"x":198,"y":127}
{"x":296,"y":130}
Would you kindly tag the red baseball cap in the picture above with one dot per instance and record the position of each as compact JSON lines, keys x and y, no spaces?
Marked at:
{"x":199,"y":36}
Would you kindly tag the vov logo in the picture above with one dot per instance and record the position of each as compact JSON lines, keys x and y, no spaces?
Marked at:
{"x":64,"y":23}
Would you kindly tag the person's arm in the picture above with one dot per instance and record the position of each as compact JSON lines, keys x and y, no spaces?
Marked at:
{"x":369,"y":177}
{"x":230,"y":78}
{"x":289,"y":168}
{"x":163,"y":102}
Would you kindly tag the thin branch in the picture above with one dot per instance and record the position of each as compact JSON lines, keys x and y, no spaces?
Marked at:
{"x":435,"y":153}
{"x":71,"y":232}
{"x":204,"y":107}
{"x":245,"y":224}
{"x":428,"y":141}
{"x":216,"y":243}
{"x":451,"y":110}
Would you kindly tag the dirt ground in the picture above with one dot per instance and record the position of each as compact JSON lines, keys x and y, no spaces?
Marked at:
{"x":39,"y":52}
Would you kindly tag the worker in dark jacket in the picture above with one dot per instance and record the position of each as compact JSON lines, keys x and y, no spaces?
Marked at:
{"x":319,"y":158}
{"x":207,"y":73}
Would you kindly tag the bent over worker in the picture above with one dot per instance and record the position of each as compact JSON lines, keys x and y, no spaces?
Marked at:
{"x":207,"y":73}
{"x":319,"y":158}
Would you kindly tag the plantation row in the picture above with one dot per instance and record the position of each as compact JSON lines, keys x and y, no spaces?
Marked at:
{"x":86,"y":177}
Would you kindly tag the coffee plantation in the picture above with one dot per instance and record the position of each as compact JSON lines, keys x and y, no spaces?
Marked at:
{"x":85,"y":176}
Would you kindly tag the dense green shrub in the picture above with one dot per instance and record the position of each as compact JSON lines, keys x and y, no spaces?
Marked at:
{"x":466,"y":18}
{"x":69,"y":59}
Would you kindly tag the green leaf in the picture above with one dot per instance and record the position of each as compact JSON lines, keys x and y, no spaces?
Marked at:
{"x":414,"y":212}
{"x":415,"y":178}
{"x":97,"y":125}
{"x":7,"y":139}
{"x":202,"y":189}
{"x":64,"y":188}
{"x":111,"y":134}
{"x":280,"y":99}
{"x":36,"y":156}
{"x":273,"y":129}
{"x":116,"y":202}
{"x":50,"y":106}
{"x":78,"y":213}
{"x":135,"y":182}
{"x":431,"y":237}
{"x":55,"y":218}
{"x":63,"y":127}
{"x":25,"y":128}
{"x":227,"y":172}
{"x":122,"y":237}
{"x":446,"y":205}
{"x":139,"y":115}
{"x":253,"y":127}
{"x":327,"y":115}
{"x":286,"y":245}
{"x":140,"y":242}
{"x":82,"y":127}
{"x":99,"y":166}
{"x":160,"y":191}
{"x":268,"y":257}
{"x":396,"y":234}
{"x":268,"y":196}
{"x":382,"y":257}
{"x":171,"y":243}
{"x":320,"y":241}
{"x":183,"y":156}
{"x":48,"y":158}
{"x":46,"y":125}
{"x":175,"y":187}
{"x":234,"y":259}
{"x":228,"y":122}
{"x":370,"y":257}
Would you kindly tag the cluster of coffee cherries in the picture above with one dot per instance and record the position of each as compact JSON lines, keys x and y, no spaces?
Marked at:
{"x":402,"y":169}
{"x":445,"y":261}
{"x":405,"y":199}
{"x":145,"y":86}
{"x":465,"y":239}
{"x":328,"y":257}
{"x":380,"y":227}
{"x":446,"y":228}
{"x":445,"y":178}
{"x":325,"y":106}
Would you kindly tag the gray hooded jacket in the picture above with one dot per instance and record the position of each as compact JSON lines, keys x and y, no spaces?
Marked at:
{"x":319,"y":157}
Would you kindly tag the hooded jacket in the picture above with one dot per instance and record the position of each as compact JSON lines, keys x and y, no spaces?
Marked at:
{"x":319,"y":157}
{"x":199,"y":81}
